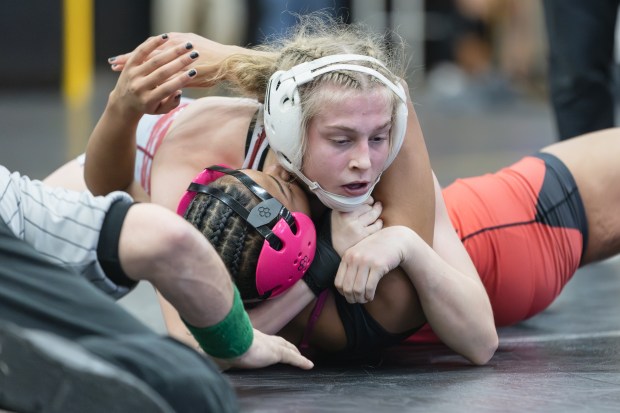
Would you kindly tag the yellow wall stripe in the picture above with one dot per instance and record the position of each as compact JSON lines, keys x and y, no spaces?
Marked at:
{"x":78,"y":56}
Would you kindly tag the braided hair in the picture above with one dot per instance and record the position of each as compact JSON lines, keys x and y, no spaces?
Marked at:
{"x":237,"y":242}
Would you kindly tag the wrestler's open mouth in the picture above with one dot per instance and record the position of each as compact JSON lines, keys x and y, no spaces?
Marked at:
{"x":356,"y":188}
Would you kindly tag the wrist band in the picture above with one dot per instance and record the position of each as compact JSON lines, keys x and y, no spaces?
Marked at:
{"x":324,"y":267}
{"x":229,"y":338}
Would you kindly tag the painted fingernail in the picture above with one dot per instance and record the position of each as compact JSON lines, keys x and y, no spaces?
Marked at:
{"x":188,"y":45}
{"x":193,"y":54}
{"x":114,"y":66}
{"x":111,"y":59}
{"x":191,"y":73}
{"x":164,"y":36}
{"x":177,"y":97}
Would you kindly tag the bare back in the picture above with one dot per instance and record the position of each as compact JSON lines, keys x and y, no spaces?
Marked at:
{"x":209,"y":131}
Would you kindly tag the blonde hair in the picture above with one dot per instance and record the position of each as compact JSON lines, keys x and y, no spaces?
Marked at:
{"x":314,"y":36}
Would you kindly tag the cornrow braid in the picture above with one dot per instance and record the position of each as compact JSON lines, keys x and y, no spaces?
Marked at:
{"x":237,"y":248}
{"x":237,"y":243}
{"x":219,"y":224}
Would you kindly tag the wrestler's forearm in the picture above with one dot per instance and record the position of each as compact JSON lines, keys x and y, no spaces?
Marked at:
{"x":456,"y":307}
{"x":411,"y":205}
{"x":272,"y":315}
{"x":111,"y":151}
{"x":453,"y":298}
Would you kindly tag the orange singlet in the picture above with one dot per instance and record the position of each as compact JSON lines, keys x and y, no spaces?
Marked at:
{"x":525,"y":229}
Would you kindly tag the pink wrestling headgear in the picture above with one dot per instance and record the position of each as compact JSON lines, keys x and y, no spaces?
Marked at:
{"x":289,"y":245}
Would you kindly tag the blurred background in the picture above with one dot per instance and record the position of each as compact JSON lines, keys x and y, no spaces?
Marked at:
{"x":478,"y":68}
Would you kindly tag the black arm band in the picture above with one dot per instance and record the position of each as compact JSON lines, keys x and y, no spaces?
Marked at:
{"x":107,"y":249}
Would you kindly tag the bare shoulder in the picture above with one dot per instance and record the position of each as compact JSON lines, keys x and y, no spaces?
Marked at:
{"x":213,"y":121}
{"x":207,"y":111}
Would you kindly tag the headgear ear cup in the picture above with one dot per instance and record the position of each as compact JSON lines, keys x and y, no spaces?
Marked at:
{"x":283,"y":115}
{"x":205,"y":177}
{"x":278,"y":268}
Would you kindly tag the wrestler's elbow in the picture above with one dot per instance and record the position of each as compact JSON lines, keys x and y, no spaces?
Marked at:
{"x":485,"y":349}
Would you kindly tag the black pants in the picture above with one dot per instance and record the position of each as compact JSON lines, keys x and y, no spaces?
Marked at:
{"x":37,"y":294}
{"x":581,"y":38}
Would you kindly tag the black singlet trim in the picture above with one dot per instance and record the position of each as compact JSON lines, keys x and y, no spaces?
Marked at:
{"x":248,"y":138}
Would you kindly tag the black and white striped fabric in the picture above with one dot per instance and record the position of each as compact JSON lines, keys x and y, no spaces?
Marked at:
{"x":62,"y":225}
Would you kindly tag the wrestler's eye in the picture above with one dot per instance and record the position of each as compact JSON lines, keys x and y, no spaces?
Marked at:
{"x":378,"y":139}
{"x":340,"y":141}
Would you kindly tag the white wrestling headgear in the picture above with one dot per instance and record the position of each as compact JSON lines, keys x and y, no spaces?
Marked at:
{"x":283,"y":117}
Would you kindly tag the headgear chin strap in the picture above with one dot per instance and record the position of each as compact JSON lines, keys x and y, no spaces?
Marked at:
{"x":289,"y":245}
{"x":283,"y":116}
{"x":335,"y":201}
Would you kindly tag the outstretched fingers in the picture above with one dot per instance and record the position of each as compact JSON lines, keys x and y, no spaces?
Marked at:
{"x":142,"y":52}
{"x":149,"y":48}
{"x":289,"y":354}
{"x":166,"y":73}
{"x":169,"y":62}
{"x":152,"y":82}
{"x":267,"y":350}
{"x":168,"y":93}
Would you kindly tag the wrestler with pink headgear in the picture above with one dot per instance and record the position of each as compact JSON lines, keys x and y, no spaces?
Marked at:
{"x":289,"y":237}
